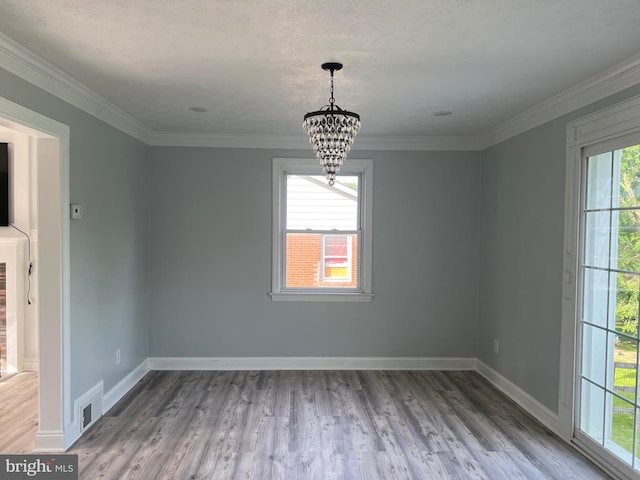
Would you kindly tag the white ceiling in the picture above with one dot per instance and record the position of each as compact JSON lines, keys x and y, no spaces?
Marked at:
{"x":255,"y":65}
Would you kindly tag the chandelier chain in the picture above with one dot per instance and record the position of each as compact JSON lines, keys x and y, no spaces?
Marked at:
{"x":331,"y":99}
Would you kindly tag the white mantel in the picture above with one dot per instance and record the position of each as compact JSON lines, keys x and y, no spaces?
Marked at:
{"x":13,"y":252}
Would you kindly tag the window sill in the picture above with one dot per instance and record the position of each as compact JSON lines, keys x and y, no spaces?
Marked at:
{"x":320,"y":297}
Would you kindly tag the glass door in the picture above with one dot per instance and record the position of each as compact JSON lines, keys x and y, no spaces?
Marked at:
{"x":608,"y":404}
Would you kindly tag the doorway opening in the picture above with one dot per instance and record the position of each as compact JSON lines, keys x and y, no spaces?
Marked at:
{"x":48,"y":142}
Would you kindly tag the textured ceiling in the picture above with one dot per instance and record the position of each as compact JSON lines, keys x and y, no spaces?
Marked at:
{"x":255,"y":65}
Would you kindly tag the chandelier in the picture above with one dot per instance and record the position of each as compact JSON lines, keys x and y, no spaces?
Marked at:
{"x":331,"y":131}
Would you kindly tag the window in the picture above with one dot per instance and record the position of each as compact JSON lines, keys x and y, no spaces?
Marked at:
{"x":337,"y":255}
{"x":599,"y":407}
{"x":321,"y":234}
{"x":610,"y":274}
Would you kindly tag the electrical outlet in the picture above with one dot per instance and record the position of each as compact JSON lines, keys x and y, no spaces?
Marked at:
{"x":118,"y":357}
{"x":496,"y":346}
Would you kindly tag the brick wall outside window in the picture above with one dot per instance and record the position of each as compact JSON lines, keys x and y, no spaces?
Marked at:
{"x":304,"y":263}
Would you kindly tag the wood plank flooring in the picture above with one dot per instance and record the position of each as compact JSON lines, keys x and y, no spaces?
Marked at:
{"x":19,"y":413}
{"x":3,"y":319}
{"x":306,"y":425}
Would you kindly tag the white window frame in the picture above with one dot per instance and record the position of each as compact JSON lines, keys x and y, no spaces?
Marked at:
{"x":306,"y":166}
{"x":349,"y":256}
{"x":609,"y":129}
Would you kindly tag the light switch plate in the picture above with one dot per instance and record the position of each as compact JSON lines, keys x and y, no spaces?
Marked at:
{"x":76,"y":211}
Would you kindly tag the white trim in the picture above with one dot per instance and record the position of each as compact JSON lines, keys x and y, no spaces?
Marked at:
{"x":569,"y":288}
{"x":300,"y":142}
{"x":54,"y":384}
{"x":606,"y":460}
{"x":545,"y":416}
{"x":31,"y":364}
{"x":65,"y":274}
{"x":27,"y":65}
{"x":320,"y":297}
{"x":311,"y":363}
{"x":123,"y":386}
{"x":617,"y":78}
{"x":16,"y":117}
{"x":50,"y":441}
{"x":616,"y":121}
{"x":443,"y":143}
{"x":228,"y":140}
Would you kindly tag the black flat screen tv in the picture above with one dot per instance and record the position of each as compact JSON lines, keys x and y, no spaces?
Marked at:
{"x":4,"y":185}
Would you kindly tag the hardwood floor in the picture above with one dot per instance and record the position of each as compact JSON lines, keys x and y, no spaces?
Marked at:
{"x":322,"y":425}
{"x":19,"y":413}
{"x":3,"y":319}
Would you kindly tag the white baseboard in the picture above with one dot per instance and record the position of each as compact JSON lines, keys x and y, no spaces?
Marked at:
{"x":31,"y":364}
{"x":545,"y":416}
{"x":311,"y":363}
{"x":50,"y":442}
{"x":123,"y":386}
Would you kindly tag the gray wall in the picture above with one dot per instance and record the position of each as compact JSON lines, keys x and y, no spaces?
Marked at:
{"x":211,"y":260}
{"x":521,"y":254}
{"x":109,"y":262}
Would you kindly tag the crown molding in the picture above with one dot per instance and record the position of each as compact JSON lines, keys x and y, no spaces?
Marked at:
{"x":20,"y":61}
{"x":227,"y":140}
{"x":617,"y":78}
{"x":299,"y":142}
{"x":417,"y":143}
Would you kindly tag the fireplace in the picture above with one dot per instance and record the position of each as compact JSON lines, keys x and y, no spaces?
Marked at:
{"x":13,"y":278}
{"x":3,"y":319}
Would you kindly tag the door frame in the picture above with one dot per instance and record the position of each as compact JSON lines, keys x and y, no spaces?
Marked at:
{"x":54,"y":379}
{"x":611,"y":124}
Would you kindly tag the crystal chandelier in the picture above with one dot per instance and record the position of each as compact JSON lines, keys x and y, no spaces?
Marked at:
{"x":331,"y":131}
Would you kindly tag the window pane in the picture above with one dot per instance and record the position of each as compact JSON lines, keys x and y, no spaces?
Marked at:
{"x":336,"y":240}
{"x":624,"y":292}
{"x":336,"y":246}
{"x":594,"y":353}
{"x":335,"y":262}
{"x":597,"y":233}
{"x":313,"y":204}
{"x":599,"y":181}
{"x":337,"y":251}
{"x":592,"y":410}
{"x":625,"y":366}
{"x":307,"y":268}
{"x":629,"y":178}
{"x":621,"y":421}
{"x":628,"y":255}
{"x":595,"y":297}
